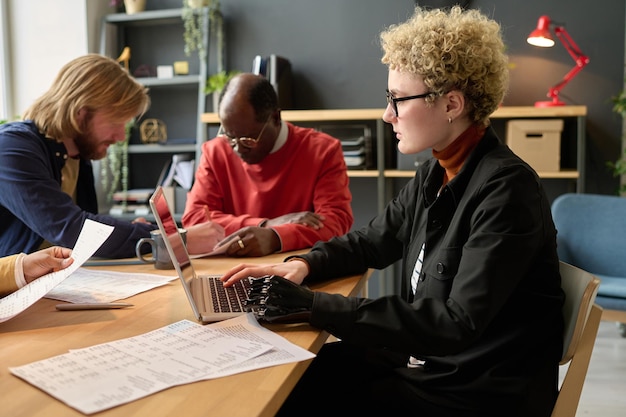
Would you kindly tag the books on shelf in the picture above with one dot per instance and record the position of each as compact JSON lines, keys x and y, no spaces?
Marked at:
{"x":179,"y":170}
{"x":136,"y":195}
{"x":178,"y":173}
{"x":356,"y":144}
{"x":134,"y":201}
{"x":136,"y":209}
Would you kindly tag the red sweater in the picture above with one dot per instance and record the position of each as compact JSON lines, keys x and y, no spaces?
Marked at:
{"x":308,"y":173}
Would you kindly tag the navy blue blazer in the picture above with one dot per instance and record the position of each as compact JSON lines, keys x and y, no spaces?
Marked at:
{"x":33,"y":207}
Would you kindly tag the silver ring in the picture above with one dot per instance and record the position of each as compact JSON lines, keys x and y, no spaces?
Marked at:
{"x":241,"y":245}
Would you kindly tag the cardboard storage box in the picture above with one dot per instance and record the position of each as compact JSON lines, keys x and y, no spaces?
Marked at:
{"x":538,"y":142}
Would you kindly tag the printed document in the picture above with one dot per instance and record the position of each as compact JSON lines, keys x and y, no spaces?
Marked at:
{"x":97,"y":286}
{"x":91,"y":237}
{"x":110,"y":374}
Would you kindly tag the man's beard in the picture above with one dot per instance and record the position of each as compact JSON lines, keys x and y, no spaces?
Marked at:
{"x":88,"y":146}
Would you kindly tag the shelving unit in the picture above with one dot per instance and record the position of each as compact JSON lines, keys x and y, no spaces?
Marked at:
{"x":574,"y":116}
{"x":572,"y":140}
{"x":155,"y":37}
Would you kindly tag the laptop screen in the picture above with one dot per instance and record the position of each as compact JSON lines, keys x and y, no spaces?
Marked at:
{"x":167,"y":224}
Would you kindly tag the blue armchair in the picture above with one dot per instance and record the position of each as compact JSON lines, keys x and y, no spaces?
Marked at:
{"x":592,"y":236}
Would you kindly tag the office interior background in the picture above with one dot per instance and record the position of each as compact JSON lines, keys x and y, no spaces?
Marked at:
{"x":334,"y":52}
{"x":335,"y":56}
{"x":333,"y":48}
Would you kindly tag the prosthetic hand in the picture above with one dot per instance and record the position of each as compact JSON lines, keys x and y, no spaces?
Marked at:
{"x":277,"y":300}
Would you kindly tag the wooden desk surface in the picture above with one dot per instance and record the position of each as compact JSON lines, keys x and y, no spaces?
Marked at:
{"x":41,"y":332}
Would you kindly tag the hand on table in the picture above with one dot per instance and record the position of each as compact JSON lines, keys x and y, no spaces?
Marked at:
{"x":307,"y":218}
{"x":202,"y":237}
{"x":253,"y":241}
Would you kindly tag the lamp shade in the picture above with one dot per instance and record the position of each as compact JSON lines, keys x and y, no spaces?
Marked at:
{"x":541,"y":35}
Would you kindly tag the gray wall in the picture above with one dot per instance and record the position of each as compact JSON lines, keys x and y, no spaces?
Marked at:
{"x":333,"y":48}
{"x":334,"y":51}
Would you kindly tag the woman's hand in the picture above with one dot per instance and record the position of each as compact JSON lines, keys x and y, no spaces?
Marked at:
{"x":295,"y":271}
{"x":44,"y":261}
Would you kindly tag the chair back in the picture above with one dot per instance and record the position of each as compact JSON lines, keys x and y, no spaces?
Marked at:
{"x":580,"y":289}
{"x":591,"y":232}
{"x":582,"y":319}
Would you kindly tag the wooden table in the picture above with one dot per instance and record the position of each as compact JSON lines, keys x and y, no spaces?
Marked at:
{"x":41,"y":332}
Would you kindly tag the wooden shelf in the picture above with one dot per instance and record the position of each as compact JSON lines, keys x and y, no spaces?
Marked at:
{"x":375,"y":114}
{"x":520,"y":112}
{"x":505,"y":112}
{"x":156,"y":148}
{"x":366,"y":173}
{"x":565,"y":174}
{"x":315,"y":115}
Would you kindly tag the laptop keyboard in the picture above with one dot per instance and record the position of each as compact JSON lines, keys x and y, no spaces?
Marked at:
{"x":225,"y":299}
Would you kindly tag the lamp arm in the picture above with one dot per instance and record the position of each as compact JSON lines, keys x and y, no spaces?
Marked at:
{"x":581,"y":61}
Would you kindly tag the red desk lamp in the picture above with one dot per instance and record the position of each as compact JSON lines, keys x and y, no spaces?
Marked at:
{"x":541,"y":37}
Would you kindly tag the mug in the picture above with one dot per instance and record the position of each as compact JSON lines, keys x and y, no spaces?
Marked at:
{"x":160,"y":257}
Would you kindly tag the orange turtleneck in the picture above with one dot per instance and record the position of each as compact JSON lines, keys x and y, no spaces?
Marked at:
{"x":452,"y":157}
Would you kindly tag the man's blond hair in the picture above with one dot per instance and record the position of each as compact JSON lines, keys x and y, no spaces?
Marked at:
{"x":94,"y":82}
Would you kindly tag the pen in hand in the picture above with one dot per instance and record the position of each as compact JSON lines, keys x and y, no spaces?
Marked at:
{"x":91,"y":306}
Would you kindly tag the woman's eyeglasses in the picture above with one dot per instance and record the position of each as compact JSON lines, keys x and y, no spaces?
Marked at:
{"x":244,"y":141}
{"x":394,"y":100}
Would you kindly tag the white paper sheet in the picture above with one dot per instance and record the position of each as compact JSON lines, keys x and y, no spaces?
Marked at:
{"x":107,"y":375}
{"x":98,"y":286}
{"x":92,"y":236}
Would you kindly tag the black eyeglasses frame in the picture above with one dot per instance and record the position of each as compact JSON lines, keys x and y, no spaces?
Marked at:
{"x":394,"y":100}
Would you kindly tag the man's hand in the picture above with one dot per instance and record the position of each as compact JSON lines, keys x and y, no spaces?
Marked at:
{"x":277,"y":300}
{"x":307,"y":218}
{"x":253,"y":241}
{"x":202,"y":237}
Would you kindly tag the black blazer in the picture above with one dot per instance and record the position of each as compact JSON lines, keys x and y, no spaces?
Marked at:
{"x":486,"y":317}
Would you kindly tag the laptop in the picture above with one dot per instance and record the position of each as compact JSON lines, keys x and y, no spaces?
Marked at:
{"x":209,"y":299}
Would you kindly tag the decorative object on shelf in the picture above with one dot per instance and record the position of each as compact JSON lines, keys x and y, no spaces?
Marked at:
{"x":181,"y":67}
{"x":134,"y":6}
{"x":196,"y":26}
{"x":114,"y":167}
{"x":125,"y":57}
{"x":129,"y":6}
{"x":153,"y":131}
{"x":165,"y":71}
{"x":618,"y":168}
{"x":145,"y":70}
{"x":541,"y":37}
{"x":215,"y":83}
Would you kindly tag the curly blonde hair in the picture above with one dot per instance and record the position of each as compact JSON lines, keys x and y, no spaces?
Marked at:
{"x":94,"y":82}
{"x":452,"y":49}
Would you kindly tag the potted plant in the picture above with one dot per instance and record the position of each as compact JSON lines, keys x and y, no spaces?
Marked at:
{"x":216,"y":82}
{"x":195,"y":27}
{"x":114,"y":166}
{"x":618,"y":167}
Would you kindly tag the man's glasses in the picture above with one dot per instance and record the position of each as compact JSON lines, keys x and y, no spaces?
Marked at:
{"x":394,"y":100}
{"x":244,"y":141}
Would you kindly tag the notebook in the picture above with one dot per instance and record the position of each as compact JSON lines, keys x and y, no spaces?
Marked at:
{"x":209,"y":299}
